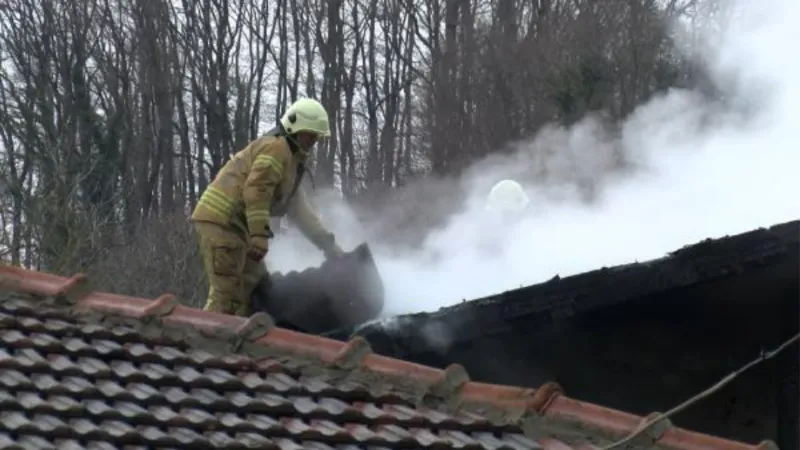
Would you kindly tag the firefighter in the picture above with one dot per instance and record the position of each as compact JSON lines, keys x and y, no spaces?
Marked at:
{"x":232,"y":218}
{"x":505,"y":206}
{"x":507,"y":197}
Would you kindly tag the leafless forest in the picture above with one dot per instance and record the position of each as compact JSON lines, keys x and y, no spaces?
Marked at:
{"x":115,"y":115}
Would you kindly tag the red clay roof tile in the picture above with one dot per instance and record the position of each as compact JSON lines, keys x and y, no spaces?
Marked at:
{"x":145,"y":373}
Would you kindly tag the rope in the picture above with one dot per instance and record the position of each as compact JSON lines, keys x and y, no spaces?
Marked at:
{"x":716,"y":387}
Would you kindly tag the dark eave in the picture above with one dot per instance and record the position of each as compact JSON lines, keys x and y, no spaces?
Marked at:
{"x":773,"y":248}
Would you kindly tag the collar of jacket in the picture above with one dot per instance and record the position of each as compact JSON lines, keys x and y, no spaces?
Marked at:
{"x":300,"y":153}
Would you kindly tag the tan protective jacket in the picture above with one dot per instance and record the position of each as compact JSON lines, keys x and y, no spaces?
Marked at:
{"x":259,"y":182}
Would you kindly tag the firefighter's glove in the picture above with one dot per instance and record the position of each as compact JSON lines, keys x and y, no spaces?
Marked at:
{"x":327,"y":243}
{"x":258,"y":248}
{"x":333,"y":251}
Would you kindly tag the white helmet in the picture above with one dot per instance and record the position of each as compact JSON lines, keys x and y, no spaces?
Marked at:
{"x":308,"y":115}
{"x":507,"y":196}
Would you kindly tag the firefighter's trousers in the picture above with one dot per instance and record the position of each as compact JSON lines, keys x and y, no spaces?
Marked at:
{"x":232,"y":276}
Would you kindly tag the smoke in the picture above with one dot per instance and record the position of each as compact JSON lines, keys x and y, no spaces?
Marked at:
{"x":682,"y":168}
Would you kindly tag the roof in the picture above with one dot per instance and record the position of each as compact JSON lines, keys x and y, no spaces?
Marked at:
{"x":560,"y":298}
{"x":82,"y":369}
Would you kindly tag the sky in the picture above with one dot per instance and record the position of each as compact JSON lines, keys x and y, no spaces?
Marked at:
{"x":700,"y":171}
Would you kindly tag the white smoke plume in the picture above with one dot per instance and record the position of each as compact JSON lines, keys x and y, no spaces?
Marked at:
{"x":699,"y":170}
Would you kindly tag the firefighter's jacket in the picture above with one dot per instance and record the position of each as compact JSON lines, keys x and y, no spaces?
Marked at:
{"x":259,"y":182}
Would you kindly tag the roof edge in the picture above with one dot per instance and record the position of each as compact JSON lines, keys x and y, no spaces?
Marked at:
{"x":785,"y":233}
{"x":452,"y":387}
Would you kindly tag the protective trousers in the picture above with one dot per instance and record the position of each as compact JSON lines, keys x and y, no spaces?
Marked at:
{"x":232,"y":276}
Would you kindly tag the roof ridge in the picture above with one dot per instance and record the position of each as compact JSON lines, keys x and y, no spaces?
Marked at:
{"x":451,"y":387}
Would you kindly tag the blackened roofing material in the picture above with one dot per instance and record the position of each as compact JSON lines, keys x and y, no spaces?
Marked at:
{"x":90,"y":370}
{"x":708,"y":260}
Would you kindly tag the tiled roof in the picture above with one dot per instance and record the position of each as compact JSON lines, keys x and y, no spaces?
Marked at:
{"x":90,"y":370}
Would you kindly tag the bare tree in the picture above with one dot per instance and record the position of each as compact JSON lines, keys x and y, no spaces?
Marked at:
{"x":114,"y":116}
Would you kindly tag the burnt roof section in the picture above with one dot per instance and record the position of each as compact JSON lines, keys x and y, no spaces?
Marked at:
{"x":559,"y":298}
{"x":82,"y":369}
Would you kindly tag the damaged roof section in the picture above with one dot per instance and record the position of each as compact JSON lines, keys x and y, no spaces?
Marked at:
{"x":559,"y":298}
{"x":82,"y":369}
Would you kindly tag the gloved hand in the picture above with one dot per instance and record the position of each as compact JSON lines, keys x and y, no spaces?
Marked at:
{"x":258,"y":248}
{"x":333,"y":251}
{"x":327,"y":243}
